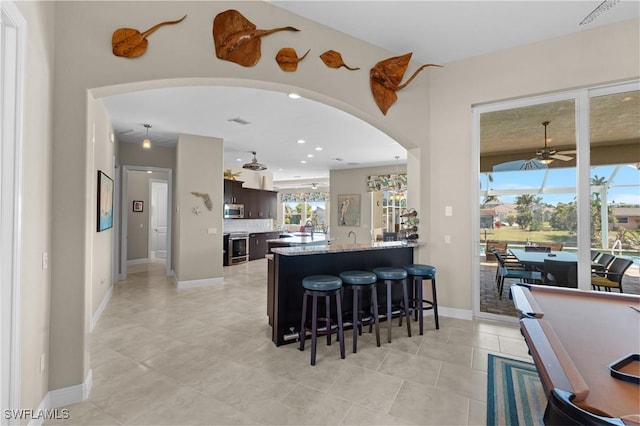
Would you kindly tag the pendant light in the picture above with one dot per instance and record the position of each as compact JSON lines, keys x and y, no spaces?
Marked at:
{"x":254,"y":165}
{"x":146,"y":143}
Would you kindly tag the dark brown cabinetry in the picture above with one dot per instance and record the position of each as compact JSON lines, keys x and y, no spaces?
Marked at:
{"x":258,"y":203}
{"x":258,"y":246}
{"x":233,"y":192}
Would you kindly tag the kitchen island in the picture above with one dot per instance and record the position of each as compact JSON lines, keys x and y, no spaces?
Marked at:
{"x":289,"y":265}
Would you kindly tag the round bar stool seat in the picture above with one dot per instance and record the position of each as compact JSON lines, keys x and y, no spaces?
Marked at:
{"x":321,"y":286}
{"x":359,"y":280}
{"x":418,"y":273}
{"x":390,"y":276}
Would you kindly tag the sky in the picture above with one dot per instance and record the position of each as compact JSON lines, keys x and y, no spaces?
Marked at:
{"x":625,"y":186}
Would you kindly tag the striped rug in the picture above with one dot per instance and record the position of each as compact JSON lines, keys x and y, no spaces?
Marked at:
{"x":514,"y":393}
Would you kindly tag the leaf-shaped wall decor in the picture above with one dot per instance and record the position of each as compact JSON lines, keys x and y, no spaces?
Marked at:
{"x":385,"y":78}
{"x":131,"y":43}
{"x":236,"y":39}
{"x":288,"y":60}
{"x":333,"y":59}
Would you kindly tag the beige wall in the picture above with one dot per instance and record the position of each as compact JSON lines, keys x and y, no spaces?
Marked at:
{"x":36,"y":202}
{"x":199,"y":169}
{"x":101,"y":150}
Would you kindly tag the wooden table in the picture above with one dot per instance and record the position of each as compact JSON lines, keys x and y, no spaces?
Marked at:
{"x":574,"y":336}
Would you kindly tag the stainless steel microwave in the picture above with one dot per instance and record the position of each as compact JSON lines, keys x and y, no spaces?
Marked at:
{"x":234,"y":211}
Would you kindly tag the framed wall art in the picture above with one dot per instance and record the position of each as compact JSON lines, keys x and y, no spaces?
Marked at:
{"x":105,"y":202}
{"x":138,"y":206}
{"x":349,"y":210}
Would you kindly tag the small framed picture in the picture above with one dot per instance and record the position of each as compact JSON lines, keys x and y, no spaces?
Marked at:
{"x":138,"y":206}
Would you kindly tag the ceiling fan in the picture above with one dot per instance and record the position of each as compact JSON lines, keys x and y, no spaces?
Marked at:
{"x":544,"y":157}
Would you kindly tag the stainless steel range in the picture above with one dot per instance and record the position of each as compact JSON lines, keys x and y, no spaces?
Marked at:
{"x":238,"y":250}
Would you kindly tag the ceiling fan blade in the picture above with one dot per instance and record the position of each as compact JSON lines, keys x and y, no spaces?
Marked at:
{"x":561,"y":157}
{"x":571,"y":151}
{"x":517,"y":165}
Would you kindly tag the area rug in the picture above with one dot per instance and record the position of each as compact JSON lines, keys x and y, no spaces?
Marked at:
{"x":514,"y":393}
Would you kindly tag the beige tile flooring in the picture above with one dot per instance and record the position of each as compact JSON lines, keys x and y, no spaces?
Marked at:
{"x":162,"y":355}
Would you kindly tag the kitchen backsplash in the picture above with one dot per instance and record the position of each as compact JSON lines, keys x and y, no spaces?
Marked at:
{"x":249,"y":225}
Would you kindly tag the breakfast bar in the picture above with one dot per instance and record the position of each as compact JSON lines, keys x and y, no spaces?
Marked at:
{"x":289,"y":265}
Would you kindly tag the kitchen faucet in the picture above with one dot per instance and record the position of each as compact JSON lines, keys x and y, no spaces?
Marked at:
{"x":354,"y":236}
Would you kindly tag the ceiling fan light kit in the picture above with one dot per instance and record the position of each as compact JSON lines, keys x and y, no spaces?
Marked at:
{"x":254,"y":165}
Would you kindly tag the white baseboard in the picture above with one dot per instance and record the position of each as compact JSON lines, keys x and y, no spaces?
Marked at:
{"x":63,"y":397}
{"x":137,"y":261}
{"x":198,"y":283}
{"x":464,"y":314}
{"x":98,"y":313}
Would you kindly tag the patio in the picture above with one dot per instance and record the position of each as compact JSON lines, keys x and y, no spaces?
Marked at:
{"x":489,"y":301}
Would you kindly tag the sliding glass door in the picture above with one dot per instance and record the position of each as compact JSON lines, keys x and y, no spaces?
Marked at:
{"x":548,"y":168}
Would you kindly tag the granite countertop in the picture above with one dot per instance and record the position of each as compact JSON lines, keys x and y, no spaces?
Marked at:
{"x":302,"y":239}
{"x":339,"y":248}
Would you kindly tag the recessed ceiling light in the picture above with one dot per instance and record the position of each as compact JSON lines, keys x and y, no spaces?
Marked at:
{"x":303,"y":161}
{"x":301,"y":141}
{"x":319,"y":148}
{"x":238,"y":159}
{"x":309,"y":155}
{"x":294,"y":96}
{"x":149,"y":171}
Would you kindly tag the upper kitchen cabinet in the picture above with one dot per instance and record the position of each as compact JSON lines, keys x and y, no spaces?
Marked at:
{"x":260,"y":204}
{"x":233,"y":192}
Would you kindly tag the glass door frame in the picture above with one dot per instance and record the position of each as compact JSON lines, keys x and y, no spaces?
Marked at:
{"x":581,"y":98}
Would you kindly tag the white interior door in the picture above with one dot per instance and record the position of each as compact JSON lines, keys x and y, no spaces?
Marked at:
{"x":158,"y":219}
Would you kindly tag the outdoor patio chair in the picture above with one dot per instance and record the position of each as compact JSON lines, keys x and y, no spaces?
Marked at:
{"x":560,"y":274}
{"x":613,"y":275}
{"x":594,"y":255}
{"x":605,"y":259}
{"x":500,"y":246}
{"x":505,"y":272}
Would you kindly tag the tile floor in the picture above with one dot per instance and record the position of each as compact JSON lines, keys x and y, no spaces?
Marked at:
{"x":162,"y":355}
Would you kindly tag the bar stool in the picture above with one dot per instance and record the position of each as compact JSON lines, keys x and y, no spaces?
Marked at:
{"x":390,"y":276}
{"x":418,"y":273}
{"x":323,"y":286}
{"x":358,"y":281}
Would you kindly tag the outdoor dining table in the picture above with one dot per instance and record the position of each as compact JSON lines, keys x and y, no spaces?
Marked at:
{"x":535,"y":259}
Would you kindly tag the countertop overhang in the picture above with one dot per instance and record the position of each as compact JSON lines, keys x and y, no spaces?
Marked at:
{"x":340,"y":248}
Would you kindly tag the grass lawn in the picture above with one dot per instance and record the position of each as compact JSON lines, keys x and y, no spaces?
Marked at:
{"x":515,"y":234}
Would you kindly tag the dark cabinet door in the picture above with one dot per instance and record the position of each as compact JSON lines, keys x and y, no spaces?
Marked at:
{"x":251,"y":203}
{"x":257,"y":245}
{"x":233,"y":191}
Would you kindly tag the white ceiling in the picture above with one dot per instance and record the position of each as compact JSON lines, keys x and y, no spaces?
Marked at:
{"x":435,"y":31}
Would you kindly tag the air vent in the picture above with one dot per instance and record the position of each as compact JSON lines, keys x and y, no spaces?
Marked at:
{"x":239,"y":121}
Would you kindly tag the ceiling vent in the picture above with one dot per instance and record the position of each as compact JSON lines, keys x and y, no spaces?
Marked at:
{"x":239,"y":121}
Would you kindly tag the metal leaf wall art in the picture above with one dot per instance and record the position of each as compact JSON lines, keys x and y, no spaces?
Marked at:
{"x":131,"y":43}
{"x":236,"y":39}
{"x":333,"y":59}
{"x":385,"y":78}
{"x":288,"y":60}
